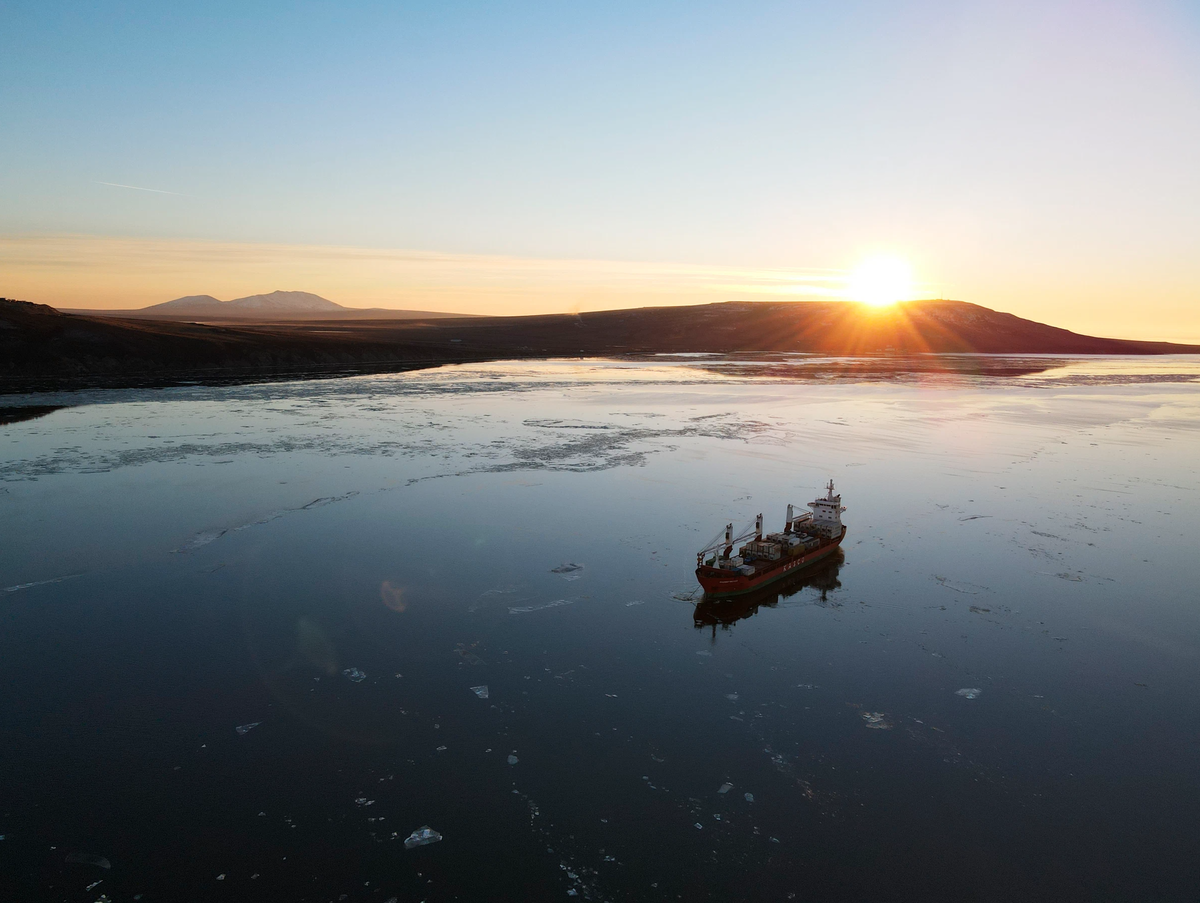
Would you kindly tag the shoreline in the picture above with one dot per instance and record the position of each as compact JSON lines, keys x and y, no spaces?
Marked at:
{"x":45,"y":350}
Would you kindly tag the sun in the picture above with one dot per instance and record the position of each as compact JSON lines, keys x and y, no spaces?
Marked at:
{"x":880,"y":281}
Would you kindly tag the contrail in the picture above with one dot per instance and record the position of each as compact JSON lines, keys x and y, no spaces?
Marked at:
{"x":138,"y":188}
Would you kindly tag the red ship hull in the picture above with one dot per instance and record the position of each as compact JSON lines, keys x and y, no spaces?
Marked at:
{"x":718,"y":583}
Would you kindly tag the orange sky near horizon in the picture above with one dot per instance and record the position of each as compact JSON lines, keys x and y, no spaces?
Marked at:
{"x":81,"y":271}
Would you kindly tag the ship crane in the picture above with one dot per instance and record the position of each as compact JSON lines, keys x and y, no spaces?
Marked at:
{"x":728,"y":540}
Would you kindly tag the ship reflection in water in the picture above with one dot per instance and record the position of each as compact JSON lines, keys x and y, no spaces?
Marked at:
{"x":725,"y":612}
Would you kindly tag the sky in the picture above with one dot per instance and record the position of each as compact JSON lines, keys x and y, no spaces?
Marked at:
{"x":1033,"y":157}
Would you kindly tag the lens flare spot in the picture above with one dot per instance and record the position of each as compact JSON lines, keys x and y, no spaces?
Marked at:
{"x":392,"y":596}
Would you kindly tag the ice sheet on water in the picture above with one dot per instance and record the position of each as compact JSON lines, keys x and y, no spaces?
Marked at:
{"x":877,"y":721}
{"x":423,"y":836}
{"x":725,"y":788}
{"x":355,"y":674}
{"x":749,"y":797}
{"x":205,"y":537}
{"x":243,"y":729}
{"x":968,"y":692}
{"x":481,"y":691}
{"x":569,"y":567}
{"x":513,"y":760}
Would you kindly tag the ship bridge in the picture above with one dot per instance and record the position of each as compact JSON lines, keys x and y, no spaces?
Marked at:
{"x":827,"y":513}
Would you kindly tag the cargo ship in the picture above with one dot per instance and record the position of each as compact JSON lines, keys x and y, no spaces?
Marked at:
{"x":725,"y":611}
{"x":806,"y":538}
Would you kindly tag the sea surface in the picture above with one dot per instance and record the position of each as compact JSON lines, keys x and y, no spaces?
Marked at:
{"x":253,"y":638}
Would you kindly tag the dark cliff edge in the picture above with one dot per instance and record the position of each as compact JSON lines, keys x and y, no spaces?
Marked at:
{"x":44,"y":349}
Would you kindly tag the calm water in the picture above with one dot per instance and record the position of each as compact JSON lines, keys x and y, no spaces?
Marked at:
{"x":176,"y":564}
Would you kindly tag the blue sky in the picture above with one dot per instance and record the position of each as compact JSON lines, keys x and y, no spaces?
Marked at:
{"x":1003,"y":148}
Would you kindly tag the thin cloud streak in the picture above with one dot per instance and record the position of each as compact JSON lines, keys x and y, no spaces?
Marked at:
{"x":101,"y":272}
{"x":136,"y":188}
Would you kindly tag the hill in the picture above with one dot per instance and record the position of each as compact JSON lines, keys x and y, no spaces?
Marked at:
{"x":44,"y":348}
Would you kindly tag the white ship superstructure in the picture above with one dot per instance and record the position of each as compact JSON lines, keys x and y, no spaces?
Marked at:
{"x":827,"y":514}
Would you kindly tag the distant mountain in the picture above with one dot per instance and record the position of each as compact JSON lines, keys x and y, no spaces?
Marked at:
{"x":190,"y":303}
{"x":283,"y":302}
{"x":274,"y":303}
{"x":273,"y":307}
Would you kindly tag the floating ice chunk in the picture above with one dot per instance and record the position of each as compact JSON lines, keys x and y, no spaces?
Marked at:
{"x":725,"y":788}
{"x":481,"y":692}
{"x":569,"y":567}
{"x":355,"y":675}
{"x":244,"y":729}
{"x":703,"y":652}
{"x":513,"y":760}
{"x":525,"y":609}
{"x":634,"y":602}
{"x":21,"y":586}
{"x":423,"y":836}
{"x":699,"y":827}
{"x":200,"y":540}
{"x":749,"y":797}
{"x":467,"y":655}
{"x":732,"y":697}
{"x":89,"y":859}
{"x":877,"y":721}
{"x":968,"y":692}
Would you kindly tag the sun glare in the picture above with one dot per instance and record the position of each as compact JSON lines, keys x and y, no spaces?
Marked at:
{"x":880,"y":281}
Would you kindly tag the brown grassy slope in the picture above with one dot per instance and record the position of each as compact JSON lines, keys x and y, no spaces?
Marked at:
{"x":43,"y":348}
